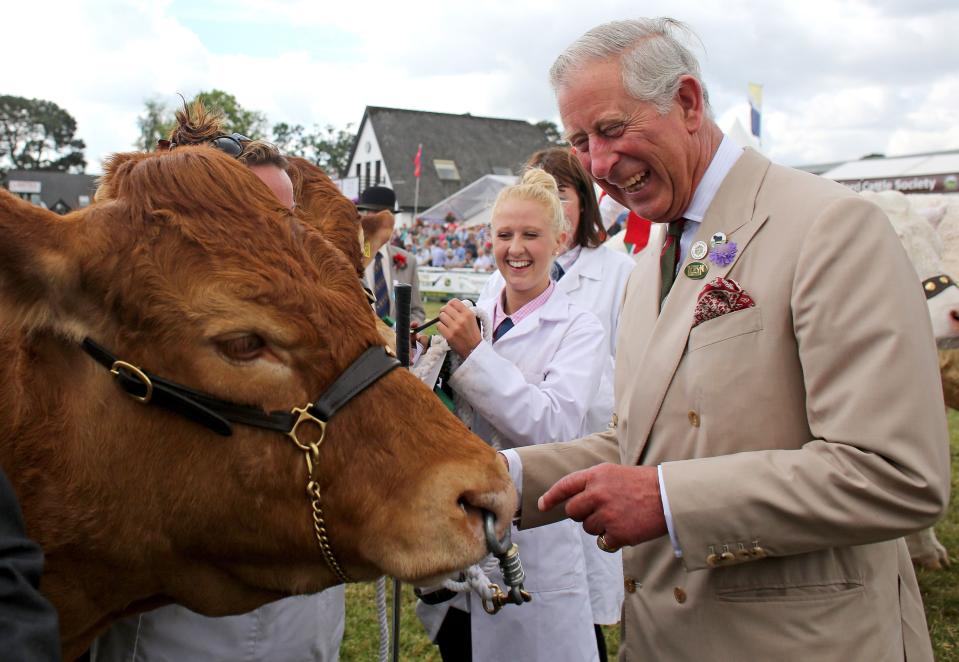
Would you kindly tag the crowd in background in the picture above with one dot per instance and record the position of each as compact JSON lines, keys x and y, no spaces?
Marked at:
{"x":447,"y":245}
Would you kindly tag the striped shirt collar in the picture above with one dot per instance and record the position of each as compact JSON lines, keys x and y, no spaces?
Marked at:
{"x":499,"y":314}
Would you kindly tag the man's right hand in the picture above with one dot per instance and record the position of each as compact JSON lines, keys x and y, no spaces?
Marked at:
{"x":621,"y":503}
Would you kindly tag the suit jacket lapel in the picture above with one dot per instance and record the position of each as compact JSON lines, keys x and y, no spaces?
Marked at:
{"x":638,"y":317}
{"x":487,"y":305}
{"x":396,"y":273}
{"x":733,"y":212}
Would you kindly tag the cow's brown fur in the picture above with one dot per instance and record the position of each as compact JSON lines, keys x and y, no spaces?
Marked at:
{"x":136,"y":507}
{"x":319,"y":202}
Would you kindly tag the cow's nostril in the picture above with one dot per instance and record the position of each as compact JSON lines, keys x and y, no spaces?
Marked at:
{"x":954,"y":314}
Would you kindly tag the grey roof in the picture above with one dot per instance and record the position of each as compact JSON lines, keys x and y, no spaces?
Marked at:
{"x":820,"y":168}
{"x":57,"y":186}
{"x":476,"y":144}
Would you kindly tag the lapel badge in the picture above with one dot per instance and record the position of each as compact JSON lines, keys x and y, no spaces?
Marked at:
{"x":698,"y":250}
{"x":696,"y":270}
{"x":717,"y":239}
{"x":723,"y":254}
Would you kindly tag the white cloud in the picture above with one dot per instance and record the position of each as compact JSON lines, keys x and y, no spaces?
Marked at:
{"x":842,"y":78}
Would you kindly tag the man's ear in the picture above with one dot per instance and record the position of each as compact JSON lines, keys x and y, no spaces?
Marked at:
{"x":39,"y":269}
{"x":689,"y":99}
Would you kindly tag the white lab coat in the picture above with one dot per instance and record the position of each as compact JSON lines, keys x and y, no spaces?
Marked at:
{"x":303,"y":628}
{"x":596,"y":282}
{"x":533,"y":386}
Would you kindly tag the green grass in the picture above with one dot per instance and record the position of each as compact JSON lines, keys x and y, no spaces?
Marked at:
{"x":940,"y":592}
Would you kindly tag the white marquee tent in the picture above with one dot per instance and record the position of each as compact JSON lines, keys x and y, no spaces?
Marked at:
{"x":472,"y":204}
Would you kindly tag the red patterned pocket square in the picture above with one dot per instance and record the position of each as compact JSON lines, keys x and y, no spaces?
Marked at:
{"x":721,"y":296}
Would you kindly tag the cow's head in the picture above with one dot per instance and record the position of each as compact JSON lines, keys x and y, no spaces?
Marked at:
{"x":924,"y":248}
{"x":189,"y":268}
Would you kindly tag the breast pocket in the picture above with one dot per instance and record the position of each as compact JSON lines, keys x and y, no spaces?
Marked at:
{"x":724,"y":327}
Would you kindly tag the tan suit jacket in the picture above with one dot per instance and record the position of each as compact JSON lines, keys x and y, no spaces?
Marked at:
{"x":801,"y":438}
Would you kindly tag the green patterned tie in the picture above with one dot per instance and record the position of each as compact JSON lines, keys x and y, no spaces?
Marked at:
{"x":669,"y":258}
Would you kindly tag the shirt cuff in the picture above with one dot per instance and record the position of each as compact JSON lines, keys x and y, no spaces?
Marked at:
{"x":677,"y":550}
{"x":515,"y":469}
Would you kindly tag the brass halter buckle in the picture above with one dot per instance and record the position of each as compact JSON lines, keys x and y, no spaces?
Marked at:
{"x":304,"y":416}
{"x":139,"y":374}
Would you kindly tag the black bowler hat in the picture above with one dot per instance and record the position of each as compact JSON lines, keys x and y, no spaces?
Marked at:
{"x":376,"y":198}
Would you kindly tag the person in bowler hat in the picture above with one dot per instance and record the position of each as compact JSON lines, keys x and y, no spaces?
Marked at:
{"x":387,"y":264}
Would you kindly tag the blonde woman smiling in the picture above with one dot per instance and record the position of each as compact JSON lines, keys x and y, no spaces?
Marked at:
{"x":532,"y":384}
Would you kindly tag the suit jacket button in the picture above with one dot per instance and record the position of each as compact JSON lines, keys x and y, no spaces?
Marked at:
{"x":630,"y":584}
{"x":713,"y":560}
{"x":727,"y":557}
{"x":680,"y":595}
{"x":758,"y":552}
{"x":693,"y":418}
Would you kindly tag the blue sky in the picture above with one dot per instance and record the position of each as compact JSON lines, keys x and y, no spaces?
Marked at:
{"x":842,"y":78}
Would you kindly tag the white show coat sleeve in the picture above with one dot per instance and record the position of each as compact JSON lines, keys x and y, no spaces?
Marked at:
{"x":527,"y":413}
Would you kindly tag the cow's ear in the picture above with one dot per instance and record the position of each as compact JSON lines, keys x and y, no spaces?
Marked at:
{"x":39,"y":268}
{"x":321,"y":206}
{"x":113,"y":171}
{"x":934,"y":214}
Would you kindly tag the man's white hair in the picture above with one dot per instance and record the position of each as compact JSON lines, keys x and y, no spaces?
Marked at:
{"x":652,"y":58}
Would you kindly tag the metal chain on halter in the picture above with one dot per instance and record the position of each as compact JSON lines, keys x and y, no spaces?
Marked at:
{"x":311,"y":453}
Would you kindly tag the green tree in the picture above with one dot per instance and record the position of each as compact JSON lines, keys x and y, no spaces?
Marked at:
{"x":327,"y":147}
{"x":157,"y":119}
{"x":236,"y":118}
{"x":36,"y":134}
{"x":154,"y":123}
{"x":552,"y":132}
{"x":289,"y":139}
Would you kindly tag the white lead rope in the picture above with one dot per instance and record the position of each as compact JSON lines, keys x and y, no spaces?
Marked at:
{"x":381,"y":617}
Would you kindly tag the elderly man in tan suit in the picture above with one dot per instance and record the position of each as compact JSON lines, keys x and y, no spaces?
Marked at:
{"x":779,"y":419}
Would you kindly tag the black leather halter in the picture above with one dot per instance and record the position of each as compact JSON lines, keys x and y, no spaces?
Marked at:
{"x":218,"y":414}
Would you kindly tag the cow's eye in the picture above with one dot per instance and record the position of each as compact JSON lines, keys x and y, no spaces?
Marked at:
{"x":241,"y":347}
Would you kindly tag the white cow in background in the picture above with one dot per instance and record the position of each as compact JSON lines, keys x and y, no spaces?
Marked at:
{"x":943,"y":212}
{"x":916,"y":222}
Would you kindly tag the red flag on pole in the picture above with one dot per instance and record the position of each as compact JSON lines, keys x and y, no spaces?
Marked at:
{"x":416,"y":161}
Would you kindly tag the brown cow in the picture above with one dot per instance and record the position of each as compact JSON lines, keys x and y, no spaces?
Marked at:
{"x":192,"y":271}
